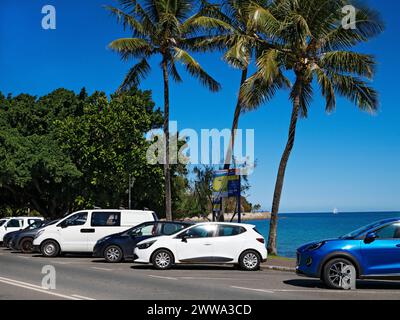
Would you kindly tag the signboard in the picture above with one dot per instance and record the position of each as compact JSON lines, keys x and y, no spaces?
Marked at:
{"x":226,"y":183}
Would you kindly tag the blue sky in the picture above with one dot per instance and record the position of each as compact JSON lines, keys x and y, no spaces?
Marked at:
{"x":348,"y":159}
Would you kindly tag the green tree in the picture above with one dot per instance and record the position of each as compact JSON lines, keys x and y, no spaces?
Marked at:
{"x":107,"y":143}
{"x":309,"y":39}
{"x":164,"y":28}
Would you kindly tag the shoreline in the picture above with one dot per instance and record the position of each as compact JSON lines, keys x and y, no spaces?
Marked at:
{"x":246,"y":216}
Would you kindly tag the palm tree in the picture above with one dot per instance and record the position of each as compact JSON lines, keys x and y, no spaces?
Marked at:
{"x":237,"y":36}
{"x":161,"y":27}
{"x":308,"y":38}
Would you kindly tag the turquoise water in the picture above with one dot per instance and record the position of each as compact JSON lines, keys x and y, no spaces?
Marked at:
{"x":295,"y":229}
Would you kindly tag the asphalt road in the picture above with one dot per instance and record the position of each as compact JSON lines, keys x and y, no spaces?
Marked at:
{"x":87,"y":278}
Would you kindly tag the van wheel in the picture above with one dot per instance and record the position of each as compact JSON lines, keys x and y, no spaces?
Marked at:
{"x":26,"y":245}
{"x":50,"y":248}
{"x":162,"y":259}
{"x":113,"y":254}
{"x":249,"y":260}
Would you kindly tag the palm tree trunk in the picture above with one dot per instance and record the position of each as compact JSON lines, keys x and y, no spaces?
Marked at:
{"x":235,"y":123}
{"x":229,"y":153}
{"x":167,"y":174}
{"x":272,"y":237}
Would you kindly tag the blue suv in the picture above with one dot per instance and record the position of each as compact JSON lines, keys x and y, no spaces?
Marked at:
{"x":373,"y":251}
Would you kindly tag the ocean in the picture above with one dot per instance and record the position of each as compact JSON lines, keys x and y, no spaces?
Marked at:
{"x":295,"y":229}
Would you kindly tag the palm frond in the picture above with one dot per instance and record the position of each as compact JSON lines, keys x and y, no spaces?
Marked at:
{"x":194,"y":68}
{"x":356,"y":90}
{"x":349,"y":62}
{"x":135,"y":74}
{"x":131,"y":47}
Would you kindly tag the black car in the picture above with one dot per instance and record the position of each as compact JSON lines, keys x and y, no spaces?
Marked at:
{"x":8,"y":239}
{"x":119,"y":246}
{"x":23,"y":240}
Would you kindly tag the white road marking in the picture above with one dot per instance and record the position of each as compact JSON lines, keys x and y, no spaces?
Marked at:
{"x":251,"y":289}
{"x":316,"y":290}
{"x":160,"y":277}
{"x":23,"y":257}
{"x":211,"y":278}
{"x":82,"y":297}
{"x":103,"y":269}
{"x":35,"y":288}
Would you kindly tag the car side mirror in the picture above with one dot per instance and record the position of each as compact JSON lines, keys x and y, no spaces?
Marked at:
{"x":370,"y":237}
{"x":63,"y":224}
{"x":5,"y":227}
{"x":184,"y":239}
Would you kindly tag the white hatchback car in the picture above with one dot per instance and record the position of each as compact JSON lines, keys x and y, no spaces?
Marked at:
{"x":209,"y":242}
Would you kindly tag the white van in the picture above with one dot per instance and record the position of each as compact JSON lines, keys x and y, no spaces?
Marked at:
{"x":79,"y":231}
{"x":15,"y":224}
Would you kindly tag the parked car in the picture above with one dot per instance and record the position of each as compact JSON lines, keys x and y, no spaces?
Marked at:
{"x":79,"y":231}
{"x":209,"y":242}
{"x":9,"y":237}
{"x":23,"y":240}
{"x":117,"y":247}
{"x":373,"y":251}
{"x":17,"y":223}
{"x":3,"y":221}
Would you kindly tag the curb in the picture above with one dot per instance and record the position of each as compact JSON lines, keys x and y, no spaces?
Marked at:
{"x":278,"y":268}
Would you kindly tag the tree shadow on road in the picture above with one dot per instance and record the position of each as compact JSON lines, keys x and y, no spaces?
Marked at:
{"x":361,"y":284}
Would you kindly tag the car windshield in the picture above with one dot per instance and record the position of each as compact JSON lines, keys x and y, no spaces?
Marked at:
{"x":361,"y":230}
{"x":2,"y":222}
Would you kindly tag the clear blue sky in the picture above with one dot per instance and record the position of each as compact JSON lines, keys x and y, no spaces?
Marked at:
{"x":349,"y":159}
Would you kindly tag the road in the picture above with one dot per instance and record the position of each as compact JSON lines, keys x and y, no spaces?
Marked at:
{"x":87,"y":278}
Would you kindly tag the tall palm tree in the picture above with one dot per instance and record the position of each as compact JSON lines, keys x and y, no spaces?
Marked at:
{"x":238,"y":38}
{"x":164,"y":28}
{"x":309,"y":39}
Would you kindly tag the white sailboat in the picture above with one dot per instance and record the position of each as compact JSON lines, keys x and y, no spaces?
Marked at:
{"x":335,"y":211}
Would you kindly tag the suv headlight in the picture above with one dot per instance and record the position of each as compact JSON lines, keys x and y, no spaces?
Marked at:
{"x":37,"y":235}
{"x":146,"y":245}
{"x":315,"y":246}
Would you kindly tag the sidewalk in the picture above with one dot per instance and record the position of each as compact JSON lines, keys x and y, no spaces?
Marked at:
{"x":280,"y":264}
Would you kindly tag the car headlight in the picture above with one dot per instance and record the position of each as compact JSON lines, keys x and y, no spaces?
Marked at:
{"x":315,"y":246}
{"x":146,"y":245}
{"x":37,"y":235}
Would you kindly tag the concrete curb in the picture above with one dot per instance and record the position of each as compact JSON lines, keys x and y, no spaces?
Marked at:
{"x":278,"y":268}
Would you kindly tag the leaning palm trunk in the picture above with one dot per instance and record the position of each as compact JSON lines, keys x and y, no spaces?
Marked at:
{"x":230,"y":151}
{"x":167,"y":175}
{"x":272,"y":238}
{"x":235,"y":124}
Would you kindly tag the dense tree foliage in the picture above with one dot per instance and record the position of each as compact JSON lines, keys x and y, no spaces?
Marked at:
{"x":64,"y":151}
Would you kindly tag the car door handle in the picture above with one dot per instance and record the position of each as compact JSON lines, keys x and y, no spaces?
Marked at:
{"x":207,"y":244}
{"x":88,"y":230}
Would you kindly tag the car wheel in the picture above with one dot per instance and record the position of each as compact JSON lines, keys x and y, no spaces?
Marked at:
{"x":8,"y":244}
{"x":336,"y":275}
{"x":26,"y":245}
{"x":50,"y":248}
{"x":249,"y":260}
{"x":162,"y":259}
{"x":113,"y":254}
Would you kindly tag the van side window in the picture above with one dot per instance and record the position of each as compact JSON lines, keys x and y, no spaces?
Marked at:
{"x":78,"y":219}
{"x":14,"y":223}
{"x":106,"y":219}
